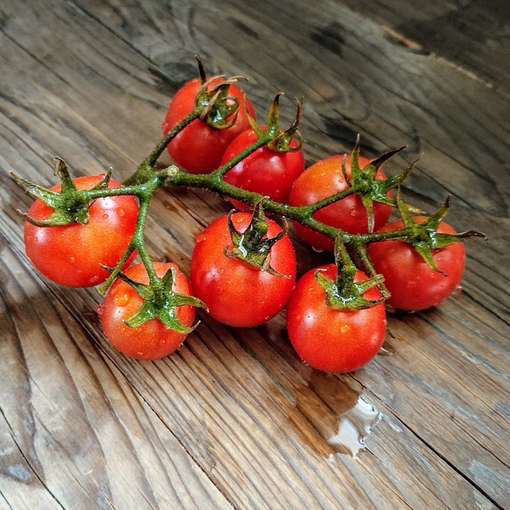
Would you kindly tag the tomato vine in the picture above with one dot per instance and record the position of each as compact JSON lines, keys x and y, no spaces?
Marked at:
{"x":213,"y":105}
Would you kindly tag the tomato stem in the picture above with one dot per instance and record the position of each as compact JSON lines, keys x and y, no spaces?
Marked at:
{"x":361,"y":251}
{"x":222,"y":170}
{"x":144,"y":192}
{"x":139,"y":242}
{"x":345,"y":293}
{"x":110,"y":192}
{"x":145,"y":169}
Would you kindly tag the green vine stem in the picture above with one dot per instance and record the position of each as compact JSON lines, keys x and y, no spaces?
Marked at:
{"x":145,"y":169}
{"x":144,"y":192}
{"x":174,"y":176}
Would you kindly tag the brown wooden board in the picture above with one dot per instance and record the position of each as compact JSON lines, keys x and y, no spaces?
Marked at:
{"x":234,"y":419}
{"x":471,"y":34}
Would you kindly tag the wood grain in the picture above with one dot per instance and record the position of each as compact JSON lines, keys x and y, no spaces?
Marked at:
{"x":81,"y":437}
{"x":471,"y":35}
{"x":234,"y":419}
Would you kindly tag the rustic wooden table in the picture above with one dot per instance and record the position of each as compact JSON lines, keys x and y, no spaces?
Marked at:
{"x":234,"y":420}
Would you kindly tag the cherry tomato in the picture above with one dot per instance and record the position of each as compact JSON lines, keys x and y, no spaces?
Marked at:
{"x":151,"y":340}
{"x":237,"y":294}
{"x":412,"y":283}
{"x":328,"y":339}
{"x":199,"y":148}
{"x":72,"y":255}
{"x":323,"y":179}
{"x":266,"y":171}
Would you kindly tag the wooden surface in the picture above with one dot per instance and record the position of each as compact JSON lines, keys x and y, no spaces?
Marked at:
{"x":234,"y":420}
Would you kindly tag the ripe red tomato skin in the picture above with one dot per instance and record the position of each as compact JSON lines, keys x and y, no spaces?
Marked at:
{"x":333,"y":340}
{"x":413,"y":285}
{"x":199,"y":148}
{"x":152,"y":340}
{"x":71,"y":255}
{"x":267,"y":172}
{"x":235,"y":293}
{"x":323,"y":179}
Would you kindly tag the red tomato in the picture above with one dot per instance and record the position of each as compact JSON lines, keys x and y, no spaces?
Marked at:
{"x":237,"y":294}
{"x":72,"y":255}
{"x":328,"y":339}
{"x":412,"y":283}
{"x":267,"y":172}
{"x":151,"y":340}
{"x":323,"y":179}
{"x":199,"y":148}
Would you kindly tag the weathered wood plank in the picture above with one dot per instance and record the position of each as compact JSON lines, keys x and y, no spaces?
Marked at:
{"x":472,"y":35}
{"x":216,"y":373}
{"x":230,"y":401}
{"x":79,"y":430}
{"x":145,"y":41}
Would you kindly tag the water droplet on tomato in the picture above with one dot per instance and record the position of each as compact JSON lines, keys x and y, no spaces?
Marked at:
{"x":105,"y":216}
{"x":345,"y":328}
{"x":121,"y":212}
{"x":121,"y":299}
{"x":94,"y":279}
{"x":72,"y":259}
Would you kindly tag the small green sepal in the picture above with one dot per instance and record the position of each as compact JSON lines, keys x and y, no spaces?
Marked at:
{"x":425,"y":238}
{"x":252,"y":246}
{"x":70,"y":205}
{"x":344,"y":293}
{"x":217,"y":108}
{"x":161,"y":302}
{"x":105,"y":181}
{"x":365,"y":184}
{"x":280,"y":140}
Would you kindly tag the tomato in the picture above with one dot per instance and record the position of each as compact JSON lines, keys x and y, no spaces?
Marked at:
{"x":237,"y":294}
{"x":198,"y":148}
{"x":323,"y":179}
{"x":151,"y":340}
{"x":329,"y":339}
{"x":72,"y":255}
{"x":266,"y":171}
{"x":412,"y":283}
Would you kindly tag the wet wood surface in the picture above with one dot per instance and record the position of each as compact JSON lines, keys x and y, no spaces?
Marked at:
{"x":233,"y":419}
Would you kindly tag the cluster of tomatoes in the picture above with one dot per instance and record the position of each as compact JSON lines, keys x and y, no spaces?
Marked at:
{"x":244,"y":264}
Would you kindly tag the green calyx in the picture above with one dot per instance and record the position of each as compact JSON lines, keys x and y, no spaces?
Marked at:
{"x":280,"y":140}
{"x":69,"y":205}
{"x":215,"y":107}
{"x":364,"y":183}
{"x":344,"y":293}
{"x":160,"y":301}
{"x":252,"y":246}
{"x":425,"y":238}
